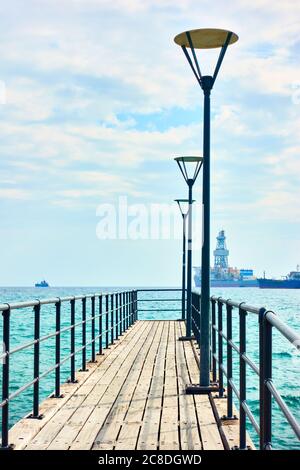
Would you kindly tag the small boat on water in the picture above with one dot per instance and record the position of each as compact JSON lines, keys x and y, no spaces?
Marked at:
{"x":41,"y":284}
{"x":291,"y":281}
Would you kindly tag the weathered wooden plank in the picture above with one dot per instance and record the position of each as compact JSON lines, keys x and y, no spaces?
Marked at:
{"x":134,"y":397}
{"x":26,"y":429}
{"x":169,"y":429}
{"x":230,"y":428}
{"x":148,"y":437}
{"x":210,"y":436}
{"x":108,"y":434}
{"x":48,"y":433}
{"x":188,"y":423}
{"x":129,"y":431}
{"x":89,"y":431}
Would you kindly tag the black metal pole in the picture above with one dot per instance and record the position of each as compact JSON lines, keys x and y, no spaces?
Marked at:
{"x":36,"y":373}
{"x":5,"y":379}
{"x":100,"y":324}
{"x":112,"y":318}
{"x":213,"y":334}
{"x":124,"y":312}
{"x":243,"y":389}
{"x":117,"y":316}
{"x":189,"y":263}
{"x":73,"y":379}
{"x":265,"y":378}
{"x":220,"y":347}
{"x":229,"y":360}
{"x":57,"y":350}
{"x":183,"y":263}
{"x":207,"y":83}
{"x":106,"y":318}
{"x":83,"y":365}
{"x":121,"y":313}
{"x":93,"y":358}
{"x":127,"y":311}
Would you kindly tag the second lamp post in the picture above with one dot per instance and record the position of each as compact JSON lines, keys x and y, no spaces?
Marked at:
{"x":190,"y":168}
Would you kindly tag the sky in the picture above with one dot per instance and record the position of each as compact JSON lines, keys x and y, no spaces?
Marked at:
{"x":96,"y":100}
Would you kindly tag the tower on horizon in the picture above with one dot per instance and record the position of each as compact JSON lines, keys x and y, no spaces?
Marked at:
{"x":221,"y":253}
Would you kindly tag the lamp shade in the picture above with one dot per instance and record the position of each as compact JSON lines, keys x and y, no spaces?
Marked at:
{"x":205,"y":38}
{"x":189,"y":166}
{"x":183,"y":205}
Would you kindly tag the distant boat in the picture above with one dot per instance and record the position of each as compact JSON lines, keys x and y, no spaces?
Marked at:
{"x":291,"y":281}
{"x":41,"y":284}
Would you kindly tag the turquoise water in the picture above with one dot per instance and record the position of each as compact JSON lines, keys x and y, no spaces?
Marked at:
{"x":286,"y":362}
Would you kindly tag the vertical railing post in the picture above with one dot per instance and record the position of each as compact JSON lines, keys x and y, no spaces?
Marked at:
{"x":36,"y":371}
{"x":136,"y":305}
{"x":83,"y":365}
{"x":121,"y":313}
{"x":229,"y":360}
{"x":213,"y":340}
{"x":127,"y":311}
{"x":265,"y":377}
{"x":57,"y":348}
{"x":117,"y":315}
{"x":106,"y":319}
{"x":131,"y":307}
{"x":72,"y":332}
{"x":112,"y":318}
{"x":198,"y":319}
{"x":5,"y":378}
{"x":100,"y":324}
{"x":124,"y":311}
{"x":93,"y":312}
{"x":243,"y":389}
{"x":220,"y":346}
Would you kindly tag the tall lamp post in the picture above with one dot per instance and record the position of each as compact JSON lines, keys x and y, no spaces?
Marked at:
{"x":190,"y":168}
{"x":183,"y":205}
{"x":205,"y":39}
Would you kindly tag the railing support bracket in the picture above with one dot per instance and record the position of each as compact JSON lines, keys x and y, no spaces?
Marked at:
{"x":8,"y":447}
{"x":196,"y":389}
{"x":41,"y":416}
{"x":229,"y":418}
{"x":186,"y":338}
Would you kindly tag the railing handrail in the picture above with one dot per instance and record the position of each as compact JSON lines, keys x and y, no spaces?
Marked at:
{"x":119,"y":311}
{"x":267,"y":390}
{"x":32,"y":303}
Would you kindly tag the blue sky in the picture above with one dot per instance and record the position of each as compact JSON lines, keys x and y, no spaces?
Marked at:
{"x":99,"y":99}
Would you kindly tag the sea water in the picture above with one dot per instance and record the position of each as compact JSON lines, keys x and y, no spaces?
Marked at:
{"x":286,"y":360}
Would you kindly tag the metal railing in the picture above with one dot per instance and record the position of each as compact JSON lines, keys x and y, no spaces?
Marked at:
{"x":267,"y":320}
{"x":117,"y":311}
{"x":152,"y":301}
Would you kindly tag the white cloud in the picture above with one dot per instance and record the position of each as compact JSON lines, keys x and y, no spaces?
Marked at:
{"x":15,"y":193}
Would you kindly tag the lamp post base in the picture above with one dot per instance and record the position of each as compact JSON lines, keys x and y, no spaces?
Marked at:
{"x":186,"y":338}
{"x":196,"y":389}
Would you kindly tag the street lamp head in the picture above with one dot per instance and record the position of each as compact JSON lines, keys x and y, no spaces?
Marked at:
{"x":206,"y":38}
{"x":189,"y":167}
{"x":183,"y":205}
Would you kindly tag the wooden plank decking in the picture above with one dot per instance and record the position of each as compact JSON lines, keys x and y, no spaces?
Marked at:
{"x":132,"y":398}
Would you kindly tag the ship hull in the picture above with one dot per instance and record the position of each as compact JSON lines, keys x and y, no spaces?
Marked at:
{"x":229,"y":283}
{"x":279,"y":284}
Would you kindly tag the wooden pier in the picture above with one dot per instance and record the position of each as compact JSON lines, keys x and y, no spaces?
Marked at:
{"x":133,"y":397}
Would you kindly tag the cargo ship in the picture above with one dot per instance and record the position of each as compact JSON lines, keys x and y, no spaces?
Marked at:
{"x":291,"y":281}
{"x":221,"y":275}
{"x":41,"y":284}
